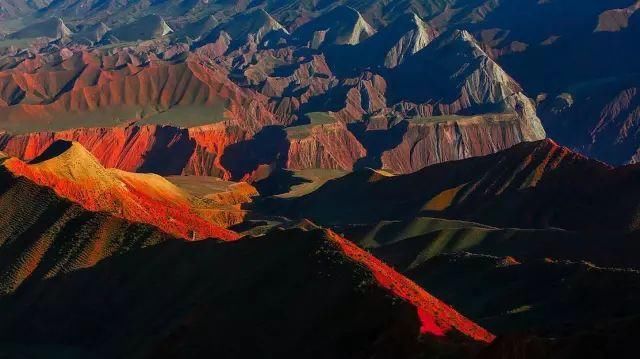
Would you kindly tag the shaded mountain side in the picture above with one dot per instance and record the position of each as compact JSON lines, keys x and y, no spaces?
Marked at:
{"x":253,"y":26}
{"x":53,"y":246}
{"x":456,"y":69}
{"x":513,"y":280}
{"x":342,"y":25}
{"x":144,"y":28}
{"x":550,"y":298}
{"x":422,"y":238}
{"x":43,"y":235}
{"x":15,"y":8}
{"x":74,"y":173}
{"x":167,"y":307}
{"x":597,"y":118}
{"x":53,"y":28}
{"x":91,"y":34}
{"x":531,"y":185}
{"x":615,"y":339}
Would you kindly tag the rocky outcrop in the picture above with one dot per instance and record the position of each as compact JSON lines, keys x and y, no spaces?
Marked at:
{"x":210,"y":144}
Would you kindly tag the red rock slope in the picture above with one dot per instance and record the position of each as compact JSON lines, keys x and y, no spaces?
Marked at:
{"x":436,"y":317}
{"x":74,"y":173}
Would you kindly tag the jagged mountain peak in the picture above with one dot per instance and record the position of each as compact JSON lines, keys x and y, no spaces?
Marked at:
{"x":401,"y":39}
{"x":252,"y":26}
{"x":52,"y":28}
{"x":145,"y":28}
{"x":455,"y":58}
{"x":343,"y":25}
{"x":256,"y":22}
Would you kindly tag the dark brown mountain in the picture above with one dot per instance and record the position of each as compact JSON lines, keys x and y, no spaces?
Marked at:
{"x":531,"y":185}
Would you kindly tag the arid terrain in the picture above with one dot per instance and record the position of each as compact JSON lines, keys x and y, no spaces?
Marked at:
{"x":319,"y":179}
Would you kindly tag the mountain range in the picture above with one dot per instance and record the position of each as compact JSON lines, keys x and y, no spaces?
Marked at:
{"x":357,"y":179}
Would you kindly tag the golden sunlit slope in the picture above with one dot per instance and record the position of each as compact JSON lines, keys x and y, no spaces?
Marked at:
{"x":42,"y":235}
{"x":74,"y":173}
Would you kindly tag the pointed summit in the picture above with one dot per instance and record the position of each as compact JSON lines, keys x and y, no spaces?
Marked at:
{"x":74,"y":173}
{"x":417,"y":34}
{"x":392,"y":45}
{"x":453,"y":67}
{"x":145,"y":28}
{"x":92,"y":33}
{"x":253,"y":26}
{"x":69,"y":159}
{"x":201,"y":27}
{"x":341,"y":26}
{"x":257,"y":23}
{"x":52,"y":28}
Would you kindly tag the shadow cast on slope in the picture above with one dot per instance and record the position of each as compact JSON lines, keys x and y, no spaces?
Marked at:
{"x":376,"y":142}
{"x":226,"y":300}
{"x":270,"y":146}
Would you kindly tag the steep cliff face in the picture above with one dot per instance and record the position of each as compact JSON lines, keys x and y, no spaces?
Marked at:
{"x":329,"y":146}
{"x":74,"y":173}
{"x":216,"y":150}
{"x":430,"y":141}
{"x":211,"y":142}
{"x":158,"y":149}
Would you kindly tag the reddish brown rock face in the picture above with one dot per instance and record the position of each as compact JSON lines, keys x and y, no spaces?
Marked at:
{"x":222,"y":99}
{"x":141,"y":149}
{"x":404,"y":148}
{"x":75,"y":174}
{"x":329,"y":146}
